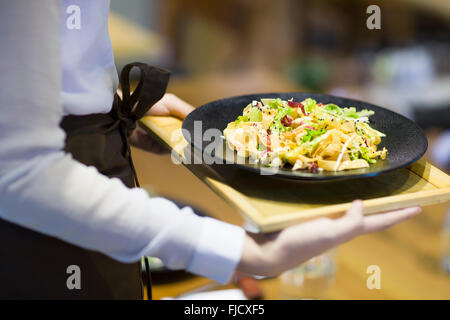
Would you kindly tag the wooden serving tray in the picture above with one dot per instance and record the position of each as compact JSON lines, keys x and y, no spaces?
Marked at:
{"x":268,"y":204}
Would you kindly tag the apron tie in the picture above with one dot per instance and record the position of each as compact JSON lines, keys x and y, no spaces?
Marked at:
{"x":132,"y":107}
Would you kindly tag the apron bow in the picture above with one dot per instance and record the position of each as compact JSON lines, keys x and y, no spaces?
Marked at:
{"x":150,"y":89}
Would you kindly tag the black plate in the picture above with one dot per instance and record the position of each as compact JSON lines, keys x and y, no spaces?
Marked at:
{"x":405,"y":140}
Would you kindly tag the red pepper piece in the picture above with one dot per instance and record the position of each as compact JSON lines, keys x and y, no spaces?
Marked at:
{"x":293,"y":104}
{"x":286,"y":120}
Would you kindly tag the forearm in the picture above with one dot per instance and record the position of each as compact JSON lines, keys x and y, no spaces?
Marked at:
{"x":171,"y":105}
{"x":59,"y":197}
{"x":253,"y":258}
{"x":177,"y":107}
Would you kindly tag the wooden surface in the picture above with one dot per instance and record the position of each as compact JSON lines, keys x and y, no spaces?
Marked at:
{"x":265,"y":210}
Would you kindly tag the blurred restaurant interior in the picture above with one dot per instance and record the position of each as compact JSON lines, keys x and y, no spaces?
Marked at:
{"x":218,"y":49}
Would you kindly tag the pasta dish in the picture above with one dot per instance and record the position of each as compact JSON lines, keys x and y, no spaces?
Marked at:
{"x":305,"y":135}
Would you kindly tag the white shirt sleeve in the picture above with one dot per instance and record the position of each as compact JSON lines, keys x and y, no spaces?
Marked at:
{"x":46,"y":190}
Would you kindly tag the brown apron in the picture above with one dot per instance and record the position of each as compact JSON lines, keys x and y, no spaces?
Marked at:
{"x":33,"y":265}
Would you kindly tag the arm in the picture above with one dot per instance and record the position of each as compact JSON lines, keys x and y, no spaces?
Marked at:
{"x":170,"y":104}
{"x":46,"y":190}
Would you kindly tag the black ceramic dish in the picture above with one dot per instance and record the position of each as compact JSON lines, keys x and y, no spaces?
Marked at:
{"x":405,"y":140}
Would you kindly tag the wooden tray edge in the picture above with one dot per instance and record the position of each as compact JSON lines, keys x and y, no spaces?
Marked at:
{"x":424,"y":198}
{"x":430,"y":173}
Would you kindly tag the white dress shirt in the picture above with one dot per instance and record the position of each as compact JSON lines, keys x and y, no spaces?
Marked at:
{"x":45,"y":189}
{"x":89,"y":75}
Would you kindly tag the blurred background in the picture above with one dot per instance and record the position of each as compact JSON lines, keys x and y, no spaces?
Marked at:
{"x":217,"y":49}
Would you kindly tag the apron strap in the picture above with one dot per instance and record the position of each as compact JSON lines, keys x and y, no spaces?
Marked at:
{"x":132,"y":107}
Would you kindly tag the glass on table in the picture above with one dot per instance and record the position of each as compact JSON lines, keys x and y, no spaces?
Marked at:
{"x":310,"y":280}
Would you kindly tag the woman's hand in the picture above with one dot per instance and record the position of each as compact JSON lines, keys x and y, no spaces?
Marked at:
{"x":169,"y":104}
{"x":271,"y":254}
